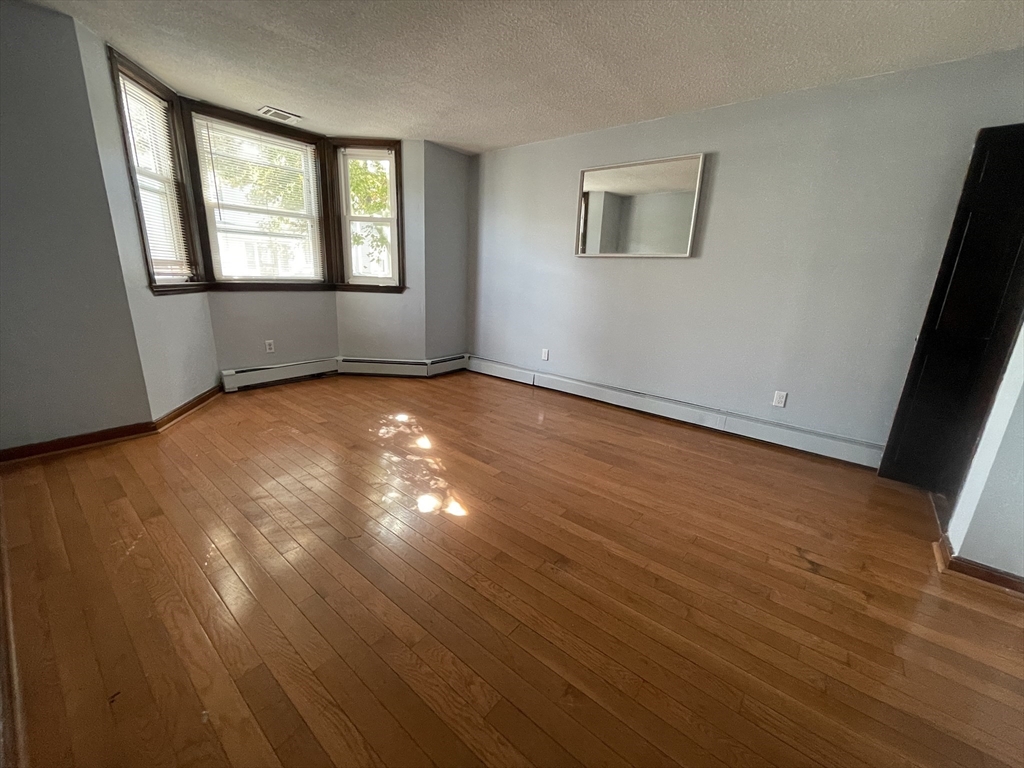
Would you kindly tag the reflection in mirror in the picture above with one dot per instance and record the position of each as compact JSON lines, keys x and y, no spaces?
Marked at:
{"x":639,"y":209}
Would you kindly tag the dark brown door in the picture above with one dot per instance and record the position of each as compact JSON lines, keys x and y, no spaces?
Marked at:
{"x":971,"y":323}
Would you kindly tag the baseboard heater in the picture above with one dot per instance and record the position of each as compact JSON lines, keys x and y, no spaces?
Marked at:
{"x":377,"y":367}
{"x":836,"y":446}
{"x":269,"y":374}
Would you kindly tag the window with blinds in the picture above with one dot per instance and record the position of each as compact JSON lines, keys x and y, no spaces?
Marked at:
{"x":262,"y":204}
{"x":147,"y":124}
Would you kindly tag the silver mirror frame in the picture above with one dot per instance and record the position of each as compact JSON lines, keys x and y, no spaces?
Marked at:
{"x":693,"y":215}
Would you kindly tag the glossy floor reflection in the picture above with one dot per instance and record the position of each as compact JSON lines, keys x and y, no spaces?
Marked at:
{"x":465,"y":571}
{"x":433,"y":493}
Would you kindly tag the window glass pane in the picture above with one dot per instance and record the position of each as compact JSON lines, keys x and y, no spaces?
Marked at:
{"x":247,"y":255}
{"x":371,"y":249}
{"x":368,"y":187}
{"x":148,"y":125}
{"x":262,"y":203}
{"x":369,"y":182}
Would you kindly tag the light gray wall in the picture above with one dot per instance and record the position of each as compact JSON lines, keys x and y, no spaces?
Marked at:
{"x":69,"y":363}
{"x":656,"y":223}
{"x":445,"y":216}
{"x":302,"y":324}
{"x":173,"y":332}
{"x":392,"y":326}
{"x":996,"y":533}
{"x":823,"y":219}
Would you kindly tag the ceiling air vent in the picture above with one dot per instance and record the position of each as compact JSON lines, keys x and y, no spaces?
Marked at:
{"x":279,"y":114}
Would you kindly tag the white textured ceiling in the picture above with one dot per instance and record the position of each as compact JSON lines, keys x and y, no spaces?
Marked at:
{"x":478,"y":75}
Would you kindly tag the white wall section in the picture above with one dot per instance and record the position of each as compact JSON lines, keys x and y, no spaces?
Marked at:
{"x":392,"y":326}
{"x":996,"y":534}
{"x":302,"y":325}
{"x":69,"y":363}
{"x":821,"y":225}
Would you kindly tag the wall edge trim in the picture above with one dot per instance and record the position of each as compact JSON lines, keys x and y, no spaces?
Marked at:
{"x":111,"y":435}
{"x":986,"y":573}
{"x":175,"y":414}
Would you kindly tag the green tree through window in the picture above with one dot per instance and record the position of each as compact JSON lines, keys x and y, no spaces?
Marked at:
{"x":369,"y":184}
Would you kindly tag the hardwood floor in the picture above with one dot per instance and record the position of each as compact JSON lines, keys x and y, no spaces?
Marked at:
{"x":464,"y":571}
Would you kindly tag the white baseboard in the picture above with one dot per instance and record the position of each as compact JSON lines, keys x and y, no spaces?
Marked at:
{"x":402,"y":367}
{"x":267,"y":374}
{"x":835,"y":446}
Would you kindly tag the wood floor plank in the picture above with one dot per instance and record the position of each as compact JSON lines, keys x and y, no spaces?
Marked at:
{"x":528,"y":738}
{"x":47,"y":731}
{"x":429,"y":731}
{"x":227,"y":637}
{"x":481,"y":737}
{"x":241,"y":738}
{"x":380,"y":728}
{"x":90,"y":719}
{"x":333,"y":729}
{"x":464,"y":571}
{"x":192,"y":737}
{"x":142,"y":730}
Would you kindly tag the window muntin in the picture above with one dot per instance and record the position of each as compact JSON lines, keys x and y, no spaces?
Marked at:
{"x":370,"y":207}
{"x":160,"y":194}
{"x":262,"y":201}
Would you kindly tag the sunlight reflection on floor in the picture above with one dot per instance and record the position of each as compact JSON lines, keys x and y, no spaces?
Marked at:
{"x":401,"y":432}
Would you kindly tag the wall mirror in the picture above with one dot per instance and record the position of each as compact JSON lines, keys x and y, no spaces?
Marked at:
{"x":644,"y":209}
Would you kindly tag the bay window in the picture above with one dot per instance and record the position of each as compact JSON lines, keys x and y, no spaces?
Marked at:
{"x":230,"y":201}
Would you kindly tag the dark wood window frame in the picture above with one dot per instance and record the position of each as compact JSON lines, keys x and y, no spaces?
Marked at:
{"x":121,"y":66}
{"x":337,"y":207}
{"x":197,"y":233}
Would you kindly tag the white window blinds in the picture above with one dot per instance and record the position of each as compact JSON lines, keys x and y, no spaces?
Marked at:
{"x":260,"y":192}
{"x":148,"y":124}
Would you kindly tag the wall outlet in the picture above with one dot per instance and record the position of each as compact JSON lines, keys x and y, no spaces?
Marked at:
{"x":543,"y":354}
{"x":269,"y":344}
{"x":780,"y":400}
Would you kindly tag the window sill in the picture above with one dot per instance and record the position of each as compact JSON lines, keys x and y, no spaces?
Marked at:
{"x":167,"y":289}
{"x":176,"y":288}
{"x":363,"y":288}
